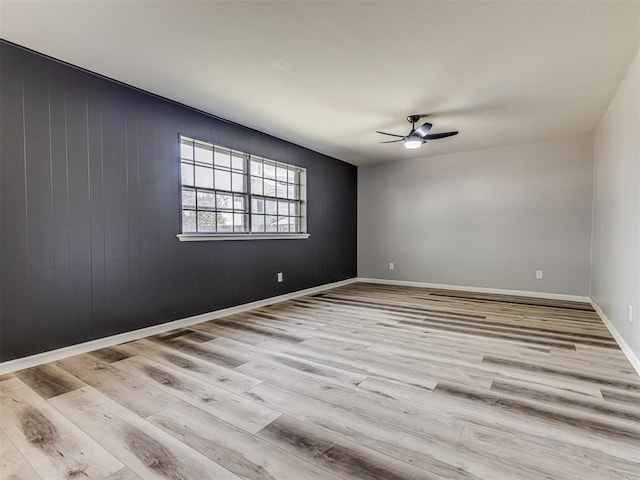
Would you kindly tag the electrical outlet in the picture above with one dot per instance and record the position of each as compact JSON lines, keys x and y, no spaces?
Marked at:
{"x":539,"y":274}
{"x":630,"y":313}
{"x":280,"y":277}
{"x":391,"y":266}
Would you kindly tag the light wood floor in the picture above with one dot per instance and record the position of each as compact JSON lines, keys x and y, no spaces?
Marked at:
{"x":361,"y":382}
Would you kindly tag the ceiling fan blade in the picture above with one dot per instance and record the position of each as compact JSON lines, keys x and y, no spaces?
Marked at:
{"x":394,"y":141}
{"x":435,"y":136}
{"x":392,"y":134}
{"x":424,"y":129}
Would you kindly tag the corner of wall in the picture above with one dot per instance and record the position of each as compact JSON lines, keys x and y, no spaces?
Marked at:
{"x":626,"y":349}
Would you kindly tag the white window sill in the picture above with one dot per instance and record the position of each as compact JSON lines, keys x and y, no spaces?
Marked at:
{"x":208,"y":237}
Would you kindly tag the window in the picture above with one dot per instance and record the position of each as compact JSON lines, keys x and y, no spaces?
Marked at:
{"x":226,"y":193}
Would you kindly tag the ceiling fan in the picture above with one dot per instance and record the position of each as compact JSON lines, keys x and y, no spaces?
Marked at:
{"x":417,"y":136}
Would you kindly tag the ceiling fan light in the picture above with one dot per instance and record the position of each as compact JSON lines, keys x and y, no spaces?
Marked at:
{"x":414,"y":142}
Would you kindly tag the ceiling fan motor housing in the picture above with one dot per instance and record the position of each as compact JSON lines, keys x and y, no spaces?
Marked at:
{"x":417,"y":136}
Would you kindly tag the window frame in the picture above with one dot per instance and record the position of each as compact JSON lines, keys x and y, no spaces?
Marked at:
{"x":248,"y":195}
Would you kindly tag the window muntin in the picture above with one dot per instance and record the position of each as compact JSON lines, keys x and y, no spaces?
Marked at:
{"x":225,"y":192}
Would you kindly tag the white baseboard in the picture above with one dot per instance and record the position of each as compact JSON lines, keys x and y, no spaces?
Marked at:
{"x":54,"y":355}
{"x":631,"y":356}
{"x":500,"y":291}
{"x":60,"y":353}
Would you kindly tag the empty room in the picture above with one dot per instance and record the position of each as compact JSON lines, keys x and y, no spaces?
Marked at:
{"x":333,"y":240}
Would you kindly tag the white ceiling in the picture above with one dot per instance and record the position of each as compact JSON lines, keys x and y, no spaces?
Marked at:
{"x":327,"y":75}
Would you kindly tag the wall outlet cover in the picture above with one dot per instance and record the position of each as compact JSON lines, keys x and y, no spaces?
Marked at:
{"x":280,"y":278}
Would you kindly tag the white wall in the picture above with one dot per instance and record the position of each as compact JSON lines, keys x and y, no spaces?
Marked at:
{"x":487,"y":218}
{"x":615,"y":276}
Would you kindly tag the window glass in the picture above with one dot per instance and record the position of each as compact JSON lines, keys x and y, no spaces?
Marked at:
{"x":256,"y":167}
{"x":283,"y":224}
{"x":237,"y":162}
{"x":269,"y":171}
{"x":256,"y":186}
{"x":271,"y":223}
{"x":204,"y":177}
{"x":269,"y":187}
{"x":206,"y":199}
{"x":187,"y":174}
{"x":222,"y":158}
{"x":257,"y":223}
{"x":238,"y":202}
{"x":283,"y":207}
{"x":223,"y":180}
{"x":204,"y":153}
{"x":257,"y":205}
{"x":271,"y":207}
{"x":225,"y":191}
{"x":225,"y":222}
{"x":281,"y":173}
{"x":237,"y":182}
{"x":188,"y":197}
{"x":239,"y":222}
{"x":189,"y":221}
{"x":206,"y":221}
{"x":224,"y":201}
{"x":186,"y":149}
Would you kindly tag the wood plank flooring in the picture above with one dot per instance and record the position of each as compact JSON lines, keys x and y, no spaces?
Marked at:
{"x":360,"y":382}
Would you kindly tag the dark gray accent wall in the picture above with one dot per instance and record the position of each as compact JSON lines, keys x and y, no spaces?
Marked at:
{"x":90,"y":209}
